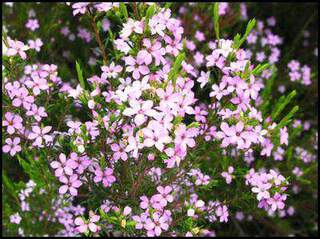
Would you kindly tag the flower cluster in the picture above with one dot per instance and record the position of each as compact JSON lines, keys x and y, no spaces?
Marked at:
{"x":155,"y":218}
{"x":297,"y":73}
{"x":69,"y":171}
{"x":269,"y":187}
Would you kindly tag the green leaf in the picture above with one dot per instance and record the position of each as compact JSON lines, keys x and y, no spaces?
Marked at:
{"x":260,"y":68}
{"x":131,"y":223}
{"x":216,"y":19}
{"x":281,"y":104}
{"x":80,"y":76}
{"x":303,"y":181}
{"x":173,"y":74}
{"x":247,"y":71}
{"x":123,"y":10}
{"x":193,"y":125}
{"x":150,"y":12}
{"x":167,"y":5}
{"x":237,"y":41}
{"x":287,"y":119}
{"x":7,"y":183}
{"x":289,"y":153}
{"x":102,"y":213}
{"x":99,"y":26}
{"x":111,"y":36}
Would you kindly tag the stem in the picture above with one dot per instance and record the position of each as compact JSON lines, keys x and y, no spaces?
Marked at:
{"x":135,"y":9}
{"x":104,"y":56}
{"x":136,"y":185}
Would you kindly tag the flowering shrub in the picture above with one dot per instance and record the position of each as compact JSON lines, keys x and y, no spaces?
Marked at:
{"x":127,"y":121}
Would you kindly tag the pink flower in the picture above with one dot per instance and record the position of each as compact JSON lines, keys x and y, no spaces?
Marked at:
{"x":79,"y":7}
{"x":133,"y":145}
{"x":155,"y":135}
{"x":203,"y":79}
{"x":110,"y":71}
{"x":15,"y":218}
{"x":141,"y":110}
{"x":37,"y":84}
{"x":168,"y":97}
{"x":144,"y":204}
{"x":83,"y":227}
{"x":37,"y":112}
{"x":12,"y":146}
{"x":184,"y":137}
{"x":260,"y":56}
{"x":284,"y":136}
{"x":12,"y":88}
{"x":213,"y":59}
{"x":149,"y":226}
{"x":220,"y":91}
{"x":17,"y":47}
{"x":242,"y":100}
{"x":106,"y":177}
{"x":267,"y":147}
{"x":198,"y":58}
{"x":72,"y":184}
{"x":156,"y":26}
{"x":276,"y":201}
{"x":63,"y":167}
{"x":164,"y":195}
{"x":119,"y":152}
{"x":104,"y":7}
{"x":122,"y":46}
{"x":200,"y":114}
{"x":223,"y":8}
{"x":84,"y":34}
{"x":227,"y":175}
{"x":92,"y":128}
{"x":127,"y":210}
{"x":136,"y":67}
{"x":145,"y":57}
{"x":199,"y":36}
{"x":65,"y":31}
{"x":105,"y":25}
{"x":131,"y":26}
{"x":294,"y":65}
{"x":188,"y":68}
{"x":222,"y":212}
{"x":294,"y":76}
{"x":154,"y":228}
{"x":79,"y":163}
{"x":233,"y":135}
{"x":190,"y":45}
{"x":22,"y":98}
{"x":156,"y":50}
{"x":32,"y":24}
{"x":74,"y":127}
{"x":140,"y":221}
{"x":39,"y":134}
{"x":253,"y":89}
{"x":262,"y":191}
{"x":174,"y":46}
{"x":35,"y":44}
{"x":13,"y":122}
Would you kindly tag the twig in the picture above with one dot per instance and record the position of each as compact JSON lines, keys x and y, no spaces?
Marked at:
{"x":135,"y":9}
{"x":104,"y":56}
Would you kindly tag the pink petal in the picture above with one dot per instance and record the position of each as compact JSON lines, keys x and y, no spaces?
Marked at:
{"x":63,"y":189}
